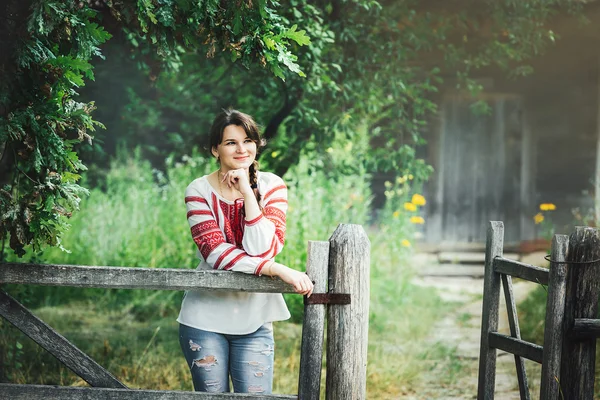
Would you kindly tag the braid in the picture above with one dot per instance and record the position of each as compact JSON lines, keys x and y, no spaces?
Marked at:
{"x":254,"y":180}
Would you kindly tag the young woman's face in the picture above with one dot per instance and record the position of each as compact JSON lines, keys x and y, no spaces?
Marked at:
{"x":236,"y":150}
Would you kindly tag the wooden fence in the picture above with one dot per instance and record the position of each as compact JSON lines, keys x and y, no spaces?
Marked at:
{"x":339,"y":268}
{"x":571,"y":322}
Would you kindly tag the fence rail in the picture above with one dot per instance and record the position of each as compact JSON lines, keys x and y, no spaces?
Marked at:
{"x":137,"y":278}
{"x":570,"y":330}
{"x":47,"y":392}
{"x":338,"y":267}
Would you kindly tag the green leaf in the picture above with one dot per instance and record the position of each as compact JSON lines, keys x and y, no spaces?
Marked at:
{"x":299,"y":37}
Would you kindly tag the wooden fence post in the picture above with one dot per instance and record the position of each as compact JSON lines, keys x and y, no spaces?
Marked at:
{"x":348,"y":325}
{"x":489,"y":318}
{"x":555,"y":312}
{"x":313,"y":327}
{"x":583,"y":287}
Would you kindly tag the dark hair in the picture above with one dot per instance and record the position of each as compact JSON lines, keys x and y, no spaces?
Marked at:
{"x":234,"y":117}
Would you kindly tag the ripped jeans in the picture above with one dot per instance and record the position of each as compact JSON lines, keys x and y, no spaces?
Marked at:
{"x":212,"y":357}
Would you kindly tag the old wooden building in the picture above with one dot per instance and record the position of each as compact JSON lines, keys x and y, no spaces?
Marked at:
{"x":538,"y":145}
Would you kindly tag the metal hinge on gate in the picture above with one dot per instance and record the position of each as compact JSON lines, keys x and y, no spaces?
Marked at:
{"x":328,"y":298}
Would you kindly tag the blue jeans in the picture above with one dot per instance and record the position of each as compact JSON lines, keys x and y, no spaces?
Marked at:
{"x":213,"y":357}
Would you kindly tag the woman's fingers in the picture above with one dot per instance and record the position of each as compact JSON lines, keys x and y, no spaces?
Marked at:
{"x":304,"y":285}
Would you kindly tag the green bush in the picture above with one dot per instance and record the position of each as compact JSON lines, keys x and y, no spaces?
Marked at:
{"x":138,"y":220}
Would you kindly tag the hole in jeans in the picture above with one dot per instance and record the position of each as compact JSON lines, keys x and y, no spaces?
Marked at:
{"x":206,"y":362}
{"x":255,"y":389}
{"x":194,"y":346}
{"x":213,"y":386}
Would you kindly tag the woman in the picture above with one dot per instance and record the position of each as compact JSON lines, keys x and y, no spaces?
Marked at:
{"x":237,"y":219}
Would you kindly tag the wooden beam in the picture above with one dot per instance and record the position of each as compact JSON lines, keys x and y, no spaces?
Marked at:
{"x":53,"y":342}
{"x":585,"y":328}
{"x":577,"y":371}
{"x":348,"y":325}
{"x":597,"y":172}
{"x":521,"y":270}
{"x":489,"y":318}
{"x":137,"y":278}
{"x":553,"y":326}
{"x":515,"y":332}
{"x":313,"y":327}
{"x":46,"y":392}
{"x":516,"y":346}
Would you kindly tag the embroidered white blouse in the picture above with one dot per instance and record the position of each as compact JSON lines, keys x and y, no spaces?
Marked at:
{"x":227,"y":241}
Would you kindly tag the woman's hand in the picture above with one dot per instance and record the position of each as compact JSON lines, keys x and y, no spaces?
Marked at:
{"x":299,"y":280}
{"x":238,"y":179}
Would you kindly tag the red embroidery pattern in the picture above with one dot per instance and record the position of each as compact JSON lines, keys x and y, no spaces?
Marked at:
{"x":207,"y":236}
{"x":222,"y":257}
{"x":280,"y":235}
{"x":234,"y":261}
{"x":196,"y":198}
{"x":229,"y":227}
{"x":254,"y":221}
{"x":276,"y":188}
{"x":215,"y":207}
{"x":199,"y":212}
{"x":228,"y":231}
{"x":275,"y":215}
{"x":278,"y":200}
{"x":260,"y":267}
{"x":272,"y":249}
{"x":278,"y":218}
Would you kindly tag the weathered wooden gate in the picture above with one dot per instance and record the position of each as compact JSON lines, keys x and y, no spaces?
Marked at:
{"x":571,"y":324}
{"x":339,"y":268}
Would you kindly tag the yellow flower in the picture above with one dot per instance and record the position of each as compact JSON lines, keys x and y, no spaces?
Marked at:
{"x":547,"y":207}
{"x":418,"y":200}
{"x":396,"y":214}
{"x":388,"y":184}
{"x":405,"y":243}
{"x":410,"y":207}
{"x":410,"y":177}
{"x":417,"y":220}
{"x":538,"y":218}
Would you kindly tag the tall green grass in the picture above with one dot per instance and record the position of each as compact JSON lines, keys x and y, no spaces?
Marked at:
{"x":137,"y":219}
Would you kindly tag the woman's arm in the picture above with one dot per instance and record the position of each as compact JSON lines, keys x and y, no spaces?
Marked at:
{"x":210,"y":240}
{"x":300,"y":281}
{"x":264,"y":235}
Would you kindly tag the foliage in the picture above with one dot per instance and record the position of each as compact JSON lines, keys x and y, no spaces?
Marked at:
{"x":373,"y":64}
{"x":138,"y":220}
{"x":115,"y":327}
{"x":50,"y":45}
{"x":377,"y":65}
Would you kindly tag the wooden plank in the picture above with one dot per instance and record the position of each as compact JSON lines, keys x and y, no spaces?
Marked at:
{"x":530,"y":351}
{"x":138,"y":278}
{"x":582,"y":290}
{"x":313,"y":327}
{"x":521,"y":270}
{"x":46,"y":392}
{"x":515,"y":332}
{"x":452,"y":270}
{"x":489,"y":317}
{"x":348,"y":325}
{"x":586,"y":328}
{"x":457,"y":257}
{"x":53,"y":342}
{"x":553,"y":326}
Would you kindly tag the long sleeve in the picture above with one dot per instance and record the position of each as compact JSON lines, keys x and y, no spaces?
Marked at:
{"x":264,"y":236}
{"x":210,"y":240}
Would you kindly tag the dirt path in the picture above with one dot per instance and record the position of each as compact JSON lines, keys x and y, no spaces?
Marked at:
{"x":461,"y":330}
